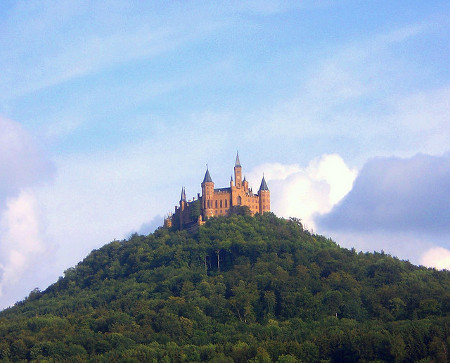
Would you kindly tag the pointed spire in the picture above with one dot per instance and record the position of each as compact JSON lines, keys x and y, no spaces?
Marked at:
{"x":207,"y":177}
{"x":183,"y":194}
{"x":263,"y":184}
{"x":238,"y":163}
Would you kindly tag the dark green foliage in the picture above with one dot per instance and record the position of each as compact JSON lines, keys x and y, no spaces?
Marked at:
{"x":195,"y":210}
{"x":239,"y":289}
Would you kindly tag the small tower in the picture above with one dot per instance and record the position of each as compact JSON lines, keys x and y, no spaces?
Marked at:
{"x":264,"y":197}
{"x":237,"y":172}
{"x":245,"y":184}
{"x":207,"y":195}
{"x":182,"y":207}
{"x":183,"y":196}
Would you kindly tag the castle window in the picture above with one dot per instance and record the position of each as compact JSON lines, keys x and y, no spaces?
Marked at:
{"x":239,"y":200}
{"x":225,"y":203}
{"x":216,"y":203}
{"x":220,"y":204}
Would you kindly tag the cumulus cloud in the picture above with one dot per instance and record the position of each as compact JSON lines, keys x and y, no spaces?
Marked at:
{"x":20,"y":238}
{"x":305,"y":192}
{"x":23,"y":165}
{"x":438,"y":257}
{"x":394,"y":194}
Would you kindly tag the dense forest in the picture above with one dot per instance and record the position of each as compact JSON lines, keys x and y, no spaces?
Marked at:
{"x":239,"y":288}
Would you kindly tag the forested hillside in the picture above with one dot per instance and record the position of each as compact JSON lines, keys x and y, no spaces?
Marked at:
{"x":239,"y":289}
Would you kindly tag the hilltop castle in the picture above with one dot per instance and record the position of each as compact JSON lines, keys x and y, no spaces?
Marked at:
{"x":219,"y":202}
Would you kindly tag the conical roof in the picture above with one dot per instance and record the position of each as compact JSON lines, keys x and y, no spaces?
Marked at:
{"x":263,"y":184}
{"x":207,"y":177}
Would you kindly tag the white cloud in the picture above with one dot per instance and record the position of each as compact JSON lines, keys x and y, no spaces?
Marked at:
{"x":23,"y":166}
{"x":305,"y":192}
{"x":20,"y":241}
{"x":437,"y":257}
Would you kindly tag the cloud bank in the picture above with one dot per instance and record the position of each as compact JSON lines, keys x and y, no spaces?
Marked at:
{"x":394,"y":194}
{"x":399,"y":205}
{"x":22,"y":163}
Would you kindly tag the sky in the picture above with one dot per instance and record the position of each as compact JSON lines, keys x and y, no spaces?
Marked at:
{"x":109,"y":108}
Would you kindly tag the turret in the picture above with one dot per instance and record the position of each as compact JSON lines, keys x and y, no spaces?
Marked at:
{"x":183,"y":199}
{"x":207,"y":194}
{"x":264,"y":197}
{"x":237,"y":172}
{"x":245,"y":184}
{"x":183,"y":195}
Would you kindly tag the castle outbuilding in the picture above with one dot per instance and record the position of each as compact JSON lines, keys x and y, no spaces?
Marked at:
{"x":220,"y":201}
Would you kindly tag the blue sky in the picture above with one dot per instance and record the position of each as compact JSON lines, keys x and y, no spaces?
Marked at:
{"x":108,"y":108}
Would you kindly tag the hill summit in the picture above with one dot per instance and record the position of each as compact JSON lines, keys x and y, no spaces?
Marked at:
{"x":238,"y":289}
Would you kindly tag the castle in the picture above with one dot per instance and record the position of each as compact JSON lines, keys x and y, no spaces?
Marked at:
{"x":219,"y":202}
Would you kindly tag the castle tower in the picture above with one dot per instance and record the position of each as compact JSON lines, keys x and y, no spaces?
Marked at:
{"x":237,"y":172}
{"x":207,"y":195}
{"x":182,"y":207}
{"x":264,"y":197}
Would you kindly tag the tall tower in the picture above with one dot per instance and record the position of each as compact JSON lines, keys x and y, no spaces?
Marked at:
{"x":237,"y":172}
{"x":264,"y":197}
{"x":207,"y":195}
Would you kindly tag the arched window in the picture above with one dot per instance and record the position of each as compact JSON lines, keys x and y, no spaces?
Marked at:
{"x":221,"y":204}
{"x":239,"y":200}
{"x":216,"y":203}
{"x":225,"y":203}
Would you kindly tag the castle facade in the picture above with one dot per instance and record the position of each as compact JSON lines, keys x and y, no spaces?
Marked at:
{"x":219,"y":201}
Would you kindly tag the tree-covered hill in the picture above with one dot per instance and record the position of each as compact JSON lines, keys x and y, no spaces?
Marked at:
{"x":239,"y":289}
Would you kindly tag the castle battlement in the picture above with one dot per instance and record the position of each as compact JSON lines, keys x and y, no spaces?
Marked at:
{"x":219,"y":201}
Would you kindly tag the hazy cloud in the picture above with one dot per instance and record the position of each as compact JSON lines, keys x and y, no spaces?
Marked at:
{"x":22,"y":163}
{"x":343,"y":101}
{"x":397,"y":195}
{"x":150,"y":226}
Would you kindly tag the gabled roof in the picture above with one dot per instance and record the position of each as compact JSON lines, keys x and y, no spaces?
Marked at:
{"x":263,"y":184}
{"x":207,"y":177}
